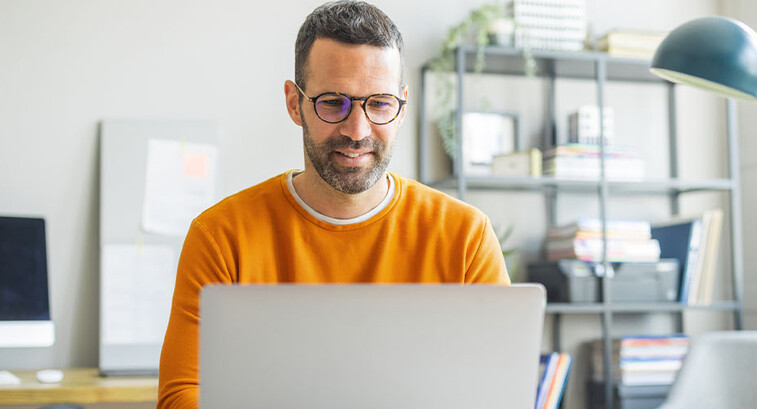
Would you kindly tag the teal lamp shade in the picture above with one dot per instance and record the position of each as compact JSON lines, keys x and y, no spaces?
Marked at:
{"x":717,"y":54}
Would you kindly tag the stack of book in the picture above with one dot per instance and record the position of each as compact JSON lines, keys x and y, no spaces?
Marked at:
{"x":581,"y":161}
{"x":630,"y":43}
{"x":627,"y":241}
{"x":554,"y":368}
{"x":549,"y":24}
{"x":642,"y":360}
{"x":694,"y":243}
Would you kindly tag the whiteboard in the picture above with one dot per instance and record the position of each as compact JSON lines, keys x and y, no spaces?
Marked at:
{"x":139,"y":255}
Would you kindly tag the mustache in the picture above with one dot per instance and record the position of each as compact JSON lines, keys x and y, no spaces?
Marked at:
{"x":345,"y":142}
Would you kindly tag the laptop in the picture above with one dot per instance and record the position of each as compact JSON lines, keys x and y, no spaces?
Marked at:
{"x":370,"y":346}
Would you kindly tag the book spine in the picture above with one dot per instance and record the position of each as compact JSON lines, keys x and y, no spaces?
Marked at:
{"x":558,"y":382}
{"x":546,"y":380}
{"x":691,"y":260}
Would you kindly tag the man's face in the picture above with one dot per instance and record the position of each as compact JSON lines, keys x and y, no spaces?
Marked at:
{"x":351,"y":156}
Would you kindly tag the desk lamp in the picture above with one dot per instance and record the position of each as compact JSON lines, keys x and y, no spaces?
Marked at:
{"x":716,"y":54}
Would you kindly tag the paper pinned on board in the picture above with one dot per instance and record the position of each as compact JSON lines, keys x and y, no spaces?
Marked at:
{"x":180,"y":184}
{"x":136,"y":291}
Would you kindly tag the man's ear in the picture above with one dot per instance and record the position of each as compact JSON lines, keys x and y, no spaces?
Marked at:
{"x":404,"y":95}
{"x":292,"y":101}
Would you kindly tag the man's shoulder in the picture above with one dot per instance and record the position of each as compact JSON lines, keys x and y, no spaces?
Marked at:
{"x":421,"y":198}
{"x":250,"y":201}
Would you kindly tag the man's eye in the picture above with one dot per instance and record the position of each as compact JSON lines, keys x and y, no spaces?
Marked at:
{"x":333,"y":102}
{"x":381,"y":103}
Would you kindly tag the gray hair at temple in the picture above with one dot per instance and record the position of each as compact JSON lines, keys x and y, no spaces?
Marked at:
{"x":346,"y":21}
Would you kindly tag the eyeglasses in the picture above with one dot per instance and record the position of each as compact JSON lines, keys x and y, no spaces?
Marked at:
{"x":335,"y":107}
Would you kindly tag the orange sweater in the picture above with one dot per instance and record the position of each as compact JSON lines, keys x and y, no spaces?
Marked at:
{"x":261,"y":235}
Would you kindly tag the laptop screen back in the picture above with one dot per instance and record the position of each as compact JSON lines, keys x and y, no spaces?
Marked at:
{"x":370,"y":346}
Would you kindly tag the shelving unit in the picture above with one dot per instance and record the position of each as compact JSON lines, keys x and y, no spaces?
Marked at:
{"x":600,"y":68}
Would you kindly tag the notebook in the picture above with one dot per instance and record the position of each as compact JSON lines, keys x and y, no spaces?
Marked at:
{"x":370,"y":346}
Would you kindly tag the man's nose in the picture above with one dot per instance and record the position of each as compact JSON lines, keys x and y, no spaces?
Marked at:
{"x":356,"y":126}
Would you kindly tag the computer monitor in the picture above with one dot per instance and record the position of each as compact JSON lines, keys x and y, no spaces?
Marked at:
{"x":24,"y":300}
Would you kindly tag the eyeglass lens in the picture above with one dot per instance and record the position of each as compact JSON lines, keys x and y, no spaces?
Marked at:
{"x":380,"y":109}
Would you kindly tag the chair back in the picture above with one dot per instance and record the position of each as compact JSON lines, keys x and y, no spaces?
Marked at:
{"x":718,"y":372}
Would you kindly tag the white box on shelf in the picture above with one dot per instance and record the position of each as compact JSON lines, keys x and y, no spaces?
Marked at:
{"x":524,"y":163}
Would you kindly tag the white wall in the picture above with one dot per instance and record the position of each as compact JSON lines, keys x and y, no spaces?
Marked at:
{"x":746,"y":11}
{"x":68,"y":64}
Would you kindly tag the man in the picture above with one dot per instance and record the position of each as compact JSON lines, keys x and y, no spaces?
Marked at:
{"x":344,"y":219}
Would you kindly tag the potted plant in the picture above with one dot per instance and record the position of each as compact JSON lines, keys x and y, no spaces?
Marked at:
{"x":488,"y":24}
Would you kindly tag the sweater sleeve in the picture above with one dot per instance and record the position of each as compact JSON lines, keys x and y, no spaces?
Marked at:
{"x":488,"y":264}
{"x":201,"y":262}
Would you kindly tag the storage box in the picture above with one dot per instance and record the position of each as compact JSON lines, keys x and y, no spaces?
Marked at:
{"x":518,"y":164}
{"x":628,"y":397}
{"x":570,"y":280}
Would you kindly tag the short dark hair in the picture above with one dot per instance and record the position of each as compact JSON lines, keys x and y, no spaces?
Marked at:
{"x":346,"y":21}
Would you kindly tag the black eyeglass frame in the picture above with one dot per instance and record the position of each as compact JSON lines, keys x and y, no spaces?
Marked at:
{"x":401,"y":101}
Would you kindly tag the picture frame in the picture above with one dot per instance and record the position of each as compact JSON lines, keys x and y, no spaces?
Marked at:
{"x":486,"y":135}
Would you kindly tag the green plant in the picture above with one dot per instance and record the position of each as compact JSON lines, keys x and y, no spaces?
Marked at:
{"x":508,"y":252}
{"x":475,"y":23}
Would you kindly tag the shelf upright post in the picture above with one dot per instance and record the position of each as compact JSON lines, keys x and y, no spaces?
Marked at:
{"x":675,"y":204}
{"x":551,"y":122}
{"x":423,"y":130}
{"x":458,"y":161}
{"x":601,"y":76}
{"x":550,"y":137}
{"x":675,"y":195}
{"x":735,"y":199}
{"x":556,"y":339}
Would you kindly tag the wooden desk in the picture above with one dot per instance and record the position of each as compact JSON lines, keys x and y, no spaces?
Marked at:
{"x":81,"y":386}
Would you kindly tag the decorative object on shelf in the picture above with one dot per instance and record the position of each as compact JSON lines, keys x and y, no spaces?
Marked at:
{"x":483,"y":21}
{"x":581,"y":161}
{"x":554,"y":368}
{"x":486,"y":134}
{"x":500,"y":31}
{"x":549,"y":25}
{"x":583,"y":125}
{"x":717,"y":54}
{"x":518,"y":164}
{"x":630,"y":43}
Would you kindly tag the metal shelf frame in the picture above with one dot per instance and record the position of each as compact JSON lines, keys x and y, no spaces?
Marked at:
{"x":600,"y":68}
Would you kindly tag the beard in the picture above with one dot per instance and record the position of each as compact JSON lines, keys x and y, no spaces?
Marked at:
{"x":350,"y":179}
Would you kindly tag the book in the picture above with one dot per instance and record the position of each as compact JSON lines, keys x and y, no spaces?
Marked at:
{"x":641,"y":359}
{"x":712,"y":222}
{"x":618,"y":250}
{"x":548,"y":365}
{"x":628,"y":228}
{"x":681,"y":240}
{"x":555,"y":369}
{"x":557,"y":388}
{"x":582,"y":161}
{"x":630,"y":43}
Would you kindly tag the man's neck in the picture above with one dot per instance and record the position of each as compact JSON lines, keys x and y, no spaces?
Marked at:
{"x":330,"y":202}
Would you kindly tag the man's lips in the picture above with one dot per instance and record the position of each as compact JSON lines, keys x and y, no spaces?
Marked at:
{"x":352,"y":158}
{"x":353,"y":154}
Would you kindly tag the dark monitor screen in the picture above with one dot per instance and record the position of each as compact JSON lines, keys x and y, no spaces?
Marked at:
{"x":23,"y":270}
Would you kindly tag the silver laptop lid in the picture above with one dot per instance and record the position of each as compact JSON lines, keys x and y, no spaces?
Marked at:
{"x":370,"y":346}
